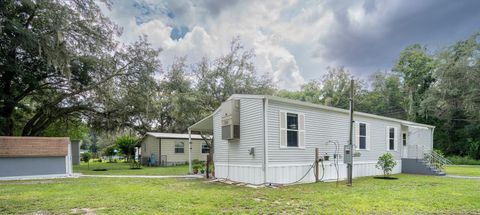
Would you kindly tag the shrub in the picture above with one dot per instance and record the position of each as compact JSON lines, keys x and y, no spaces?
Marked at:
{"x":126,"y":145}
{"x":386,"y":163}
{"x":110,"y":151}
{"x":196,"y":161}
{"x":135,"y":164}
{"x":86,"y":156}
{"x":197,"y":167}
{"x":473,"y":148}
{"x":459,"y":160}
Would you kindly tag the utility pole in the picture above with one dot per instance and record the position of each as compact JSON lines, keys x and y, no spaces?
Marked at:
{"x":350,"y":139}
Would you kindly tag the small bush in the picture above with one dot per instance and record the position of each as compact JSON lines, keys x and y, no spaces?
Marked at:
{"x":196,"y":161}
{"x":135,"y":164}
{"x":386,"y":163}
{"x":197,"y":166}
{"x":86,"y":156}
{"x":126,"y":145}
{"x":459,"y":160}
{"x":473,"y":148}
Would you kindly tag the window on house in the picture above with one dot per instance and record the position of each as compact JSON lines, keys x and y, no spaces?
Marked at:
{"x":205,"y":148}
{"x":179,"y":147}
{"x":362,"y":136}
{"x":292,"y":130}
{"x":404,"y":139}
{"x":391,"y":138}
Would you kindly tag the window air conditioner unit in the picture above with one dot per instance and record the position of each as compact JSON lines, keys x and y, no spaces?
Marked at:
{"x":231,"y":120}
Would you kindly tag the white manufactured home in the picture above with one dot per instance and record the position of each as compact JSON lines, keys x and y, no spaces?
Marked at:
{"x":165,"y":149}
{"x":266,"y":139}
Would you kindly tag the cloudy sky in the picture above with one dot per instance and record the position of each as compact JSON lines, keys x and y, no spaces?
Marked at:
{"x":295,"y":41}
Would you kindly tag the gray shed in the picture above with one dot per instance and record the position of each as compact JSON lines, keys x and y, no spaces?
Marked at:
{"x":35,"y":157}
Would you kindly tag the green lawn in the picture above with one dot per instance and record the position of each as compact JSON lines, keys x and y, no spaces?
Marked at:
{"x":465,"y":170}
{"x":411,"y":194}
{"x":124,"y":169}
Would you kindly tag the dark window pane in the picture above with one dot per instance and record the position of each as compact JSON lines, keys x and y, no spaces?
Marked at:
{"x":392,"y":133}
{"x":292,"y":138}
{"x":292,"y":121}
{"x":363,"y":129}
{"x":205,"y":149}
{"x":404,"y":139}
{"x":363,"y":143}
{"x":392,"y":145}
{"x":179,"y":147}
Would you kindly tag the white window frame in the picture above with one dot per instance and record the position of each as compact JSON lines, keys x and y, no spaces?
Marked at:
{"x":175,"y":147}
{"x":395,"y":137}
{"x":201,"y":148}
{"x":300,"y":134}
{"x":357,"y":136}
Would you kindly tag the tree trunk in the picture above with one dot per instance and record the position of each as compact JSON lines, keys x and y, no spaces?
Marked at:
{"x":8,"y":98}
{"x":7,"y":127}
{"x":411,"y":115}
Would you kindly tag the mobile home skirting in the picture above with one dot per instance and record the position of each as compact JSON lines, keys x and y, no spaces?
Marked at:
{"x":293,"y":173}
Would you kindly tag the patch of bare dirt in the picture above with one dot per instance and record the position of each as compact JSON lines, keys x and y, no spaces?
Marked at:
{"x":85,"y":211}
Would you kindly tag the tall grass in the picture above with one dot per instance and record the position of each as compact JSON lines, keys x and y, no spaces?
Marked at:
{"x":459,"y":160}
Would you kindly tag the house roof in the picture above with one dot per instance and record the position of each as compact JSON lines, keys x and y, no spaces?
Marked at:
{"x":173,"y":135}
{"x":308,"y":104}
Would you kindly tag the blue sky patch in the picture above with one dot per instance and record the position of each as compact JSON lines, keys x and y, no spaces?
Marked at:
{"x":179,"y":32}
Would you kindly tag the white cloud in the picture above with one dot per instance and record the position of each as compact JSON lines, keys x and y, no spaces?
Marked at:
{"x":295,"y":41}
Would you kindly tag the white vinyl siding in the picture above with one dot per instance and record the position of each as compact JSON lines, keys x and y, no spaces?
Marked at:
{"x":251,"y":136}
{"x":322,"y":126}
{"x":421,"y":137}
{"x":168,"y":149}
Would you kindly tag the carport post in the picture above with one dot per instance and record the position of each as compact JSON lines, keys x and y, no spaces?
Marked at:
{"x":189,"y":151}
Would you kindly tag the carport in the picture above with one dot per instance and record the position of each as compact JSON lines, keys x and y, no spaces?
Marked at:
{"x":203,"y":126}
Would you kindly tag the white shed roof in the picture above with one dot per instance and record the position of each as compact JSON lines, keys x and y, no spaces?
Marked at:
{"x":173,"y":135}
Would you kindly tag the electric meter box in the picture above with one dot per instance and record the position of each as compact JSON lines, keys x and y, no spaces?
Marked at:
{"x":348,"y":154}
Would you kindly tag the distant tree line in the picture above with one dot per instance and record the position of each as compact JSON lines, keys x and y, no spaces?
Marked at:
{"x":64,"y":73}
{"x":440,"y":88}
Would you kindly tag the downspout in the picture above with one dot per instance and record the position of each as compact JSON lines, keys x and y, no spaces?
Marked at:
{"x":189,"y":151}
{"x":265,"y":140}
{"x":160,"y":151}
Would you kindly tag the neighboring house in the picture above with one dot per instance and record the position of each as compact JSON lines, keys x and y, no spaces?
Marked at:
{"x":273,"y":140}
{"x":173,"y":149}
{"x":35,"y":157}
